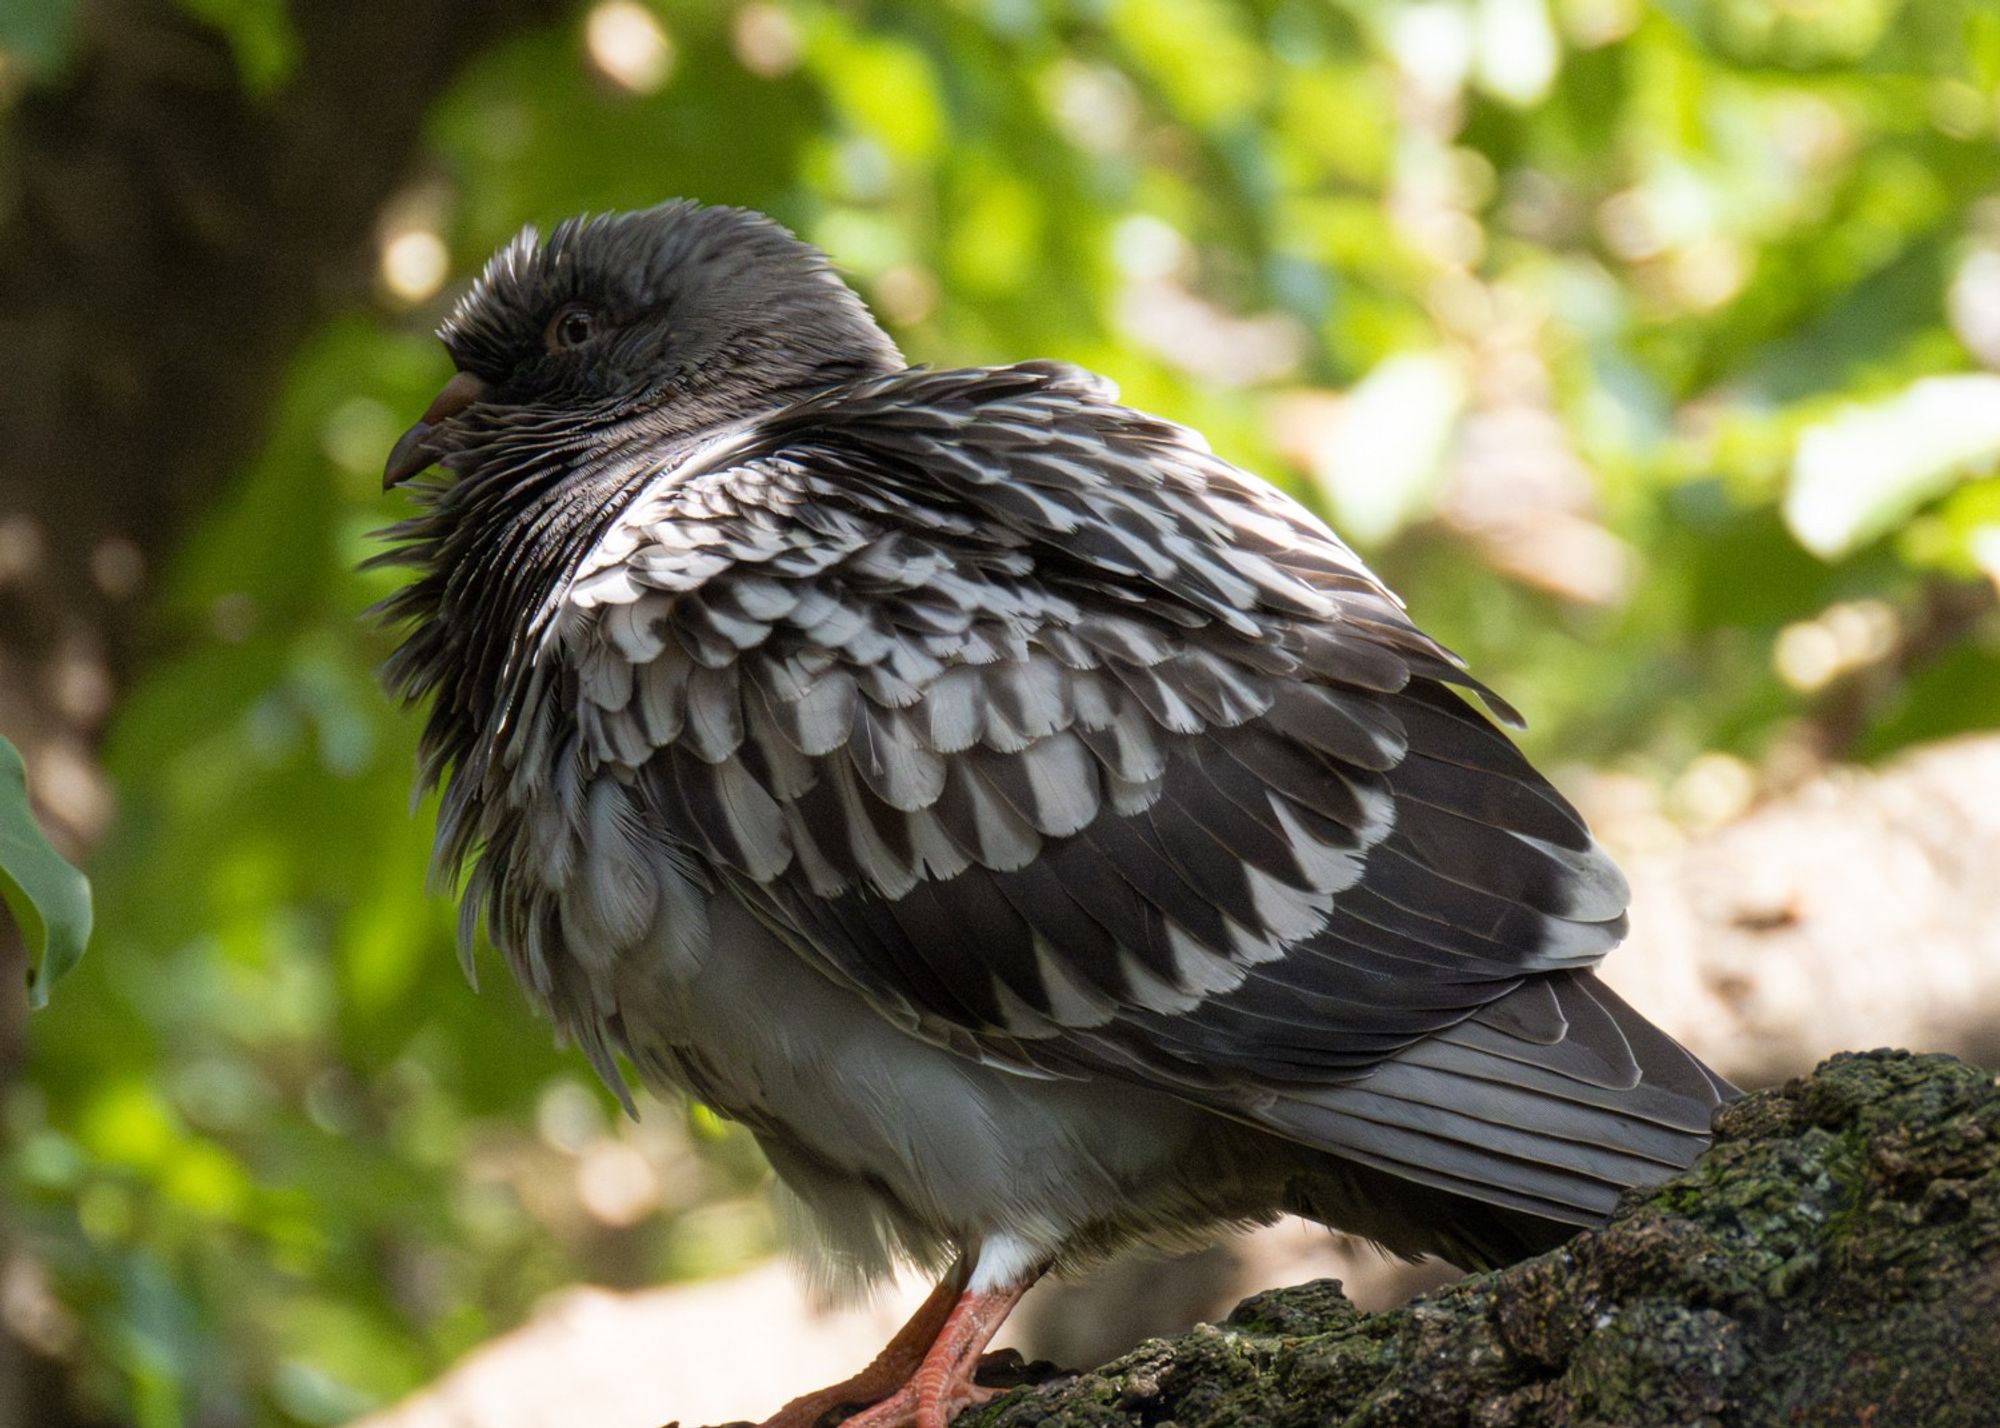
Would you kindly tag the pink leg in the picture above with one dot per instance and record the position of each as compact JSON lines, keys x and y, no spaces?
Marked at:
{"x":891,"y":1368}
{"x":942,"y":1384}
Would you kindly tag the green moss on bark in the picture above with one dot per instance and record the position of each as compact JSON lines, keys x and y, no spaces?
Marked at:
{"x":1834,"y":1259}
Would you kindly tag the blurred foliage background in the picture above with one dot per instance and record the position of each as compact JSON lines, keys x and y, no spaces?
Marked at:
{"x":1652,"y":352}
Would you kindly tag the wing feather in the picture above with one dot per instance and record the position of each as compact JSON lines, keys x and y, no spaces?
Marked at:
{"x":1030,"y":719}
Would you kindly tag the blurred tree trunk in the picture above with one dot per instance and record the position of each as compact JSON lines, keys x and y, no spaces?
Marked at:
{"x":167,"y":238}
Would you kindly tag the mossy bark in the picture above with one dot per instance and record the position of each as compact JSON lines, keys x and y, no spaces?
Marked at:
{"x":1833,"y":1259}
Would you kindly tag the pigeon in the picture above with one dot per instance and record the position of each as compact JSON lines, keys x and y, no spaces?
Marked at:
{"x":1042,"y":835}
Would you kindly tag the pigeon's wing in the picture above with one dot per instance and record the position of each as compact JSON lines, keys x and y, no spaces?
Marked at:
{"x":1071,"y":746}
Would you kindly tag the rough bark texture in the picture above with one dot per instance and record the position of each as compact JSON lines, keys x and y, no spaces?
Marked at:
{"x":1833,"y":1260}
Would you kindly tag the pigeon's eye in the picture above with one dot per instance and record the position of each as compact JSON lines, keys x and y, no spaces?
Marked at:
{"x":572,"y":326}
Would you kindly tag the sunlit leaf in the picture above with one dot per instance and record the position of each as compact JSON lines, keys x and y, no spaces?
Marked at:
{"x":50,"y":900}
{"x":1865,"y":468}
{"x":1382,"y":453}
{"x":1518,"y":50}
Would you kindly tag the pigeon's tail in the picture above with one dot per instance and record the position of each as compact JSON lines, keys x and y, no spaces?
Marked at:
{"x":1539,"y":1110}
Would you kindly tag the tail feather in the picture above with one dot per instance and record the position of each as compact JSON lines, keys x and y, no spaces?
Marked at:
{"x":1549,"y":1107}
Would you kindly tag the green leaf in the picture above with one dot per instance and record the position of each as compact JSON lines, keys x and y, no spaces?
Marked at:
{"x":50,"y":899}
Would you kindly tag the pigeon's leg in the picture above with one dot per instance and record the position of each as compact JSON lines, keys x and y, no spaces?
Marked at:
{"x":891,"y":1368}
{"x":942,"y":1384}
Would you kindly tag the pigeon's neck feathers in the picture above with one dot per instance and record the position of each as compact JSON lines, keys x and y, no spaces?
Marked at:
{"x":494,"y":549}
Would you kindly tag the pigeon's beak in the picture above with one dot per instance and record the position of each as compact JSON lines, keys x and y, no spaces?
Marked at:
{"x":414,"y":450}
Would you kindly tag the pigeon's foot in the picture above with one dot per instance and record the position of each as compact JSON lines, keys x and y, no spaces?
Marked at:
{"x":890,"y":1370}
{"x":942,"y":1383}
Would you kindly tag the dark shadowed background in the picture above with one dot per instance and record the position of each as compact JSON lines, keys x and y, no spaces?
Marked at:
{"x":1652,"y":352}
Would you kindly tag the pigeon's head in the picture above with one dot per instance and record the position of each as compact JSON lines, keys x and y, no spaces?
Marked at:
{"x":678,"y":317}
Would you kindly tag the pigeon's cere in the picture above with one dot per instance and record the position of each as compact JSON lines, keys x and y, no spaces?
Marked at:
{"x":1041,"y":834}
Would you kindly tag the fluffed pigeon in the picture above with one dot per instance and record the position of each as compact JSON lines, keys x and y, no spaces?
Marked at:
{"x":1043,"y":835}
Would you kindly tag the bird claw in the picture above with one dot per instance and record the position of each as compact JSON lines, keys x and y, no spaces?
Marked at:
{"x":912,"y":1407}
